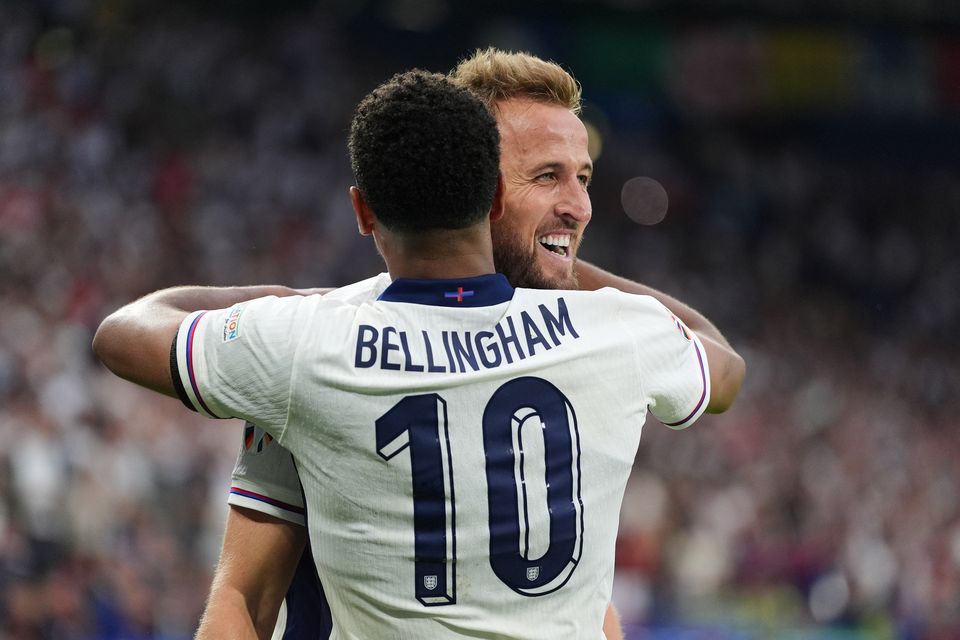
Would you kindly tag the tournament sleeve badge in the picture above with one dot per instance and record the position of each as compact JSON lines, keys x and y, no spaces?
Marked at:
{"x":231,"y":326}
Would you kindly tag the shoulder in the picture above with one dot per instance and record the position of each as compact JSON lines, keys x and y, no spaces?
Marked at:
{"x":279,"y":320}
{"x":602,"y":300}
{"x":361,"y":291}
{"x":635,"y":303}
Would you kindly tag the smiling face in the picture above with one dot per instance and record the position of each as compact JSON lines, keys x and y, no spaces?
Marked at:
{"x":546,"y":169}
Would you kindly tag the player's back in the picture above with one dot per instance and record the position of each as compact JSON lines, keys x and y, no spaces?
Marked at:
{"x":464,"y":451}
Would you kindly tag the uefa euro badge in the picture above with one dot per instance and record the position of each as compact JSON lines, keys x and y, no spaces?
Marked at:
{"x":231,"y":326}
{"x":533,"y":573}
{"x":430,"y":582}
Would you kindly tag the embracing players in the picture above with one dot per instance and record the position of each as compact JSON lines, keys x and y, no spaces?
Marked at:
{"x":561,"y":179}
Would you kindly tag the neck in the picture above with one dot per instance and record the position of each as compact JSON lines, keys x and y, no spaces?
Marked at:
{"x":442,"y":254}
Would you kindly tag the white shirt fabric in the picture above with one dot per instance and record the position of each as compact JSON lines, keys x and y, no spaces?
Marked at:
{"x":265,"y":476}
{"x":463,"y":447}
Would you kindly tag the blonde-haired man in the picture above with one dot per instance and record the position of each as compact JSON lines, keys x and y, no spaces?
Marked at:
{"x":546,"y":169}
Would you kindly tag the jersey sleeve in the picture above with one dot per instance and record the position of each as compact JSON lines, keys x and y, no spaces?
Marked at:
{"x":265,"y":478}
{"x":675,"y":372}
{"x":237,"y":362}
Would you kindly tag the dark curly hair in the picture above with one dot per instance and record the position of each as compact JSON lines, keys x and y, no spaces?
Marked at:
{"x":425,"y":153}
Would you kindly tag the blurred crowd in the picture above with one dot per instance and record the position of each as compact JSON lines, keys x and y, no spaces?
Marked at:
{"x":138,"y":154}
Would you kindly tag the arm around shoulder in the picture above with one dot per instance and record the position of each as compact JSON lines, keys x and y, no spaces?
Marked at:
{"x":727,"y":368}
{"x":592,"y":277}
{"x":134,"y":341}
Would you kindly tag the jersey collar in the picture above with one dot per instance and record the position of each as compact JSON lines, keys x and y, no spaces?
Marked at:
{"x":481,"y":291}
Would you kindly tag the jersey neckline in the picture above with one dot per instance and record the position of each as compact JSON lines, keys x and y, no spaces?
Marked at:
{"x":479,"y":291}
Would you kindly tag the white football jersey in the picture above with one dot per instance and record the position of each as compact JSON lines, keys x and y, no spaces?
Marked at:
{"x":265,"y":477}
{"x":463,"y":446}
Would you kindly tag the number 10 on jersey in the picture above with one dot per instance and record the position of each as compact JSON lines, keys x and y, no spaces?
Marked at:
{"x":523,"y":410}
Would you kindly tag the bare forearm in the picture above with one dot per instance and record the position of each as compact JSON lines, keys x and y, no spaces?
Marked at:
{"x":258,"y":559}
{"x":134,"y":341}
{"x":227,"y":616}
{"x":189,"y":299}
{"x":593,"y":277}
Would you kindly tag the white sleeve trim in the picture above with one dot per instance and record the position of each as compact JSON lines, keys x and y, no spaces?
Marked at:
{"x":187,"y":363}
{"x":704,"y":399}
{"x":252,"y":496}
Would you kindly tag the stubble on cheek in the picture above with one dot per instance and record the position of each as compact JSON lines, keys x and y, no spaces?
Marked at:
{"x":519,"y":263}
{"x":515,"y":261}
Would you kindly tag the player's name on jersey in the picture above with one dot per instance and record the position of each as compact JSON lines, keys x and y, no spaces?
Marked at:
{"x":515,"y":337}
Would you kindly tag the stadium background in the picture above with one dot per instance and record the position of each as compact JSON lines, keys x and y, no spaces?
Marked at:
{"x":810,"y":151}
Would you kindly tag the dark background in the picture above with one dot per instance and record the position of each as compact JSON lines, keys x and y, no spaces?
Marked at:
{"x":810,"y":152}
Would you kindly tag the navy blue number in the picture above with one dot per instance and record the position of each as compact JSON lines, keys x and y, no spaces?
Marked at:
{"x":420,"y":424}
{"x":532,"y":450}
{"x":524,"y":416}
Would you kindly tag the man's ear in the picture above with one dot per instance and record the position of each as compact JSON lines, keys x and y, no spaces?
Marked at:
{"x":365,"y":218}
{"x":496,"y":209}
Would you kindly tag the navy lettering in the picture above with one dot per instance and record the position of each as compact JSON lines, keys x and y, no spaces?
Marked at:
{"x":491,"y":347}
{"x":387,"y":348}
{"x":368,"y":343}
{"x":512,"y":339}
{"x":464,"y":351}
{"x":409,"y":366}
{"x":431,"y":367}
{"x":534,"y":335}
{"x":507,"y":339}
{"x":446,"y":347}
{"x":561,"y":324}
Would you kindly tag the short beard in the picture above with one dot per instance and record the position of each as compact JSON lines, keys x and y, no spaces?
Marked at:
{"x":521,"y":268}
